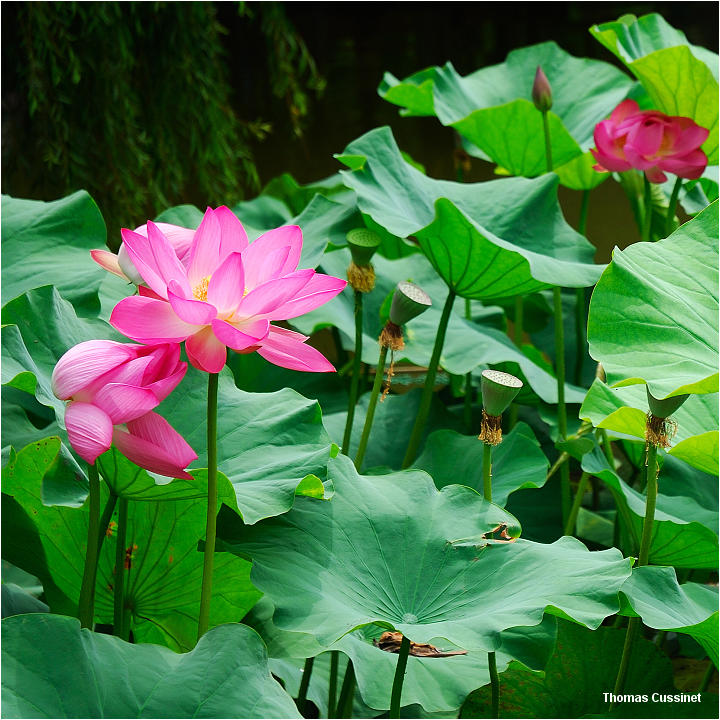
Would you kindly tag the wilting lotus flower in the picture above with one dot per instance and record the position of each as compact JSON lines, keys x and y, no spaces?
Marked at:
{"x":649,"y":141}
{"x":179,"y":237}
{"x":225,"y":293}
{"x":112,"y":388}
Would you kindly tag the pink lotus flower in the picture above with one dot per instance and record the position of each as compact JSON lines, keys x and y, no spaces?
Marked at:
{"x":649,"y":141}
{"x":112,"y":388}
{"x":180,"y":238}
{"x":224,"y":293}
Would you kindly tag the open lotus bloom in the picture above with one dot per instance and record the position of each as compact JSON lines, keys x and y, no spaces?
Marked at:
{"x":224,"y":293}
{"x":112,"y":389}
{"x":179,"y":237}
{"x":649,"y":141}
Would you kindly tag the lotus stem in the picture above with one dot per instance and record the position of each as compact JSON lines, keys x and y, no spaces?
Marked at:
{"x":579,"y":333}
{"x":355,"y":379}
{"x":399,"y":678}
{"x":707,"y":677}
{"x":426,"y":398}
{"x":332,"y":688}
{"x":582,"y":487}
{"x":467,"y":406}
{"x":304,"y":684}
{"x":670,"y":217}
{"x":607,"y":447}
{"x":565,"y":495}
{"x":86,"y":605}
{"x":517,"y":339}
{"x":347,"y":692}
{"x":494,"y":686}
{"x":209,"y":554}
{"x":487,"y":471}
{"x":377,"y":384}
{"x":548,"y":146}
{"x":119,"y":628}
{"x":647,"y":217}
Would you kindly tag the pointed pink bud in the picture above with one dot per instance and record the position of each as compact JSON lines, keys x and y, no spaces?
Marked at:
{"x":541,"y":92}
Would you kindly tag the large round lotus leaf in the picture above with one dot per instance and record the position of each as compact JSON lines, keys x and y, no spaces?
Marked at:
{"x":582,"y":667}
{"x":468,"y":345}
{"x":654,"y":594}
{"x":162,"y":584}
{"x":654,"y":313}
{"x":515,"y":223}
{"x":680,"y":78}
{"x":267,"y":443}
{"x":53,"y":669}
{"x":393,"y":550}
{"x":685,"y":533}
{"x":517,"y":463}
{"x":623,"y":409}
{"x":47,"y":243}
{"x":583,"y":91}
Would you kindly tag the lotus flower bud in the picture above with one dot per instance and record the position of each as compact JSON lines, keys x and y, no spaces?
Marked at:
{"x":541,"y":92}
{"x":408,"y":302}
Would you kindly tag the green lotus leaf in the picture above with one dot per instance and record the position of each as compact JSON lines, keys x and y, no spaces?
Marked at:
{"x":297,"y":197}
{"x":654,"y":313}
{"x":681,"y":79}
{"x":582,"y":667}
{"x":47,"y":243}
{"x":162,"y":585}
{"x":512,"y":228}
{"x":76,"y":673}
{"x":15,"y":601}
{"x":654,"y":594}
{"x":623,"y":409}
{"x":517,"y":463}
{"x":685,"y":533}
{"x":578,"y":173}
{"x":414,"y":94}
{"x":468,"y":345}
{"x":394,"y":550}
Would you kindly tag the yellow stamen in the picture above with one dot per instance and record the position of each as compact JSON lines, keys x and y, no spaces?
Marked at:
{"x":200,"y":291}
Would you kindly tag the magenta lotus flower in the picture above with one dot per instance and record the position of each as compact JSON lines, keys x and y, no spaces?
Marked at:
{"x":112,"y":388}
{"x":224,"y":294}
{"x":180,"y":238}
{"x":649,"y":141}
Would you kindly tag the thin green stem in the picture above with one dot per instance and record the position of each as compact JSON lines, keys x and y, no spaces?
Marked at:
{"x":347,"y":692}
{"x":647,"y":217}
{"x":650,"y":501}
{"x":210,"y":527}
{"x":86,"y":605}
{"x":548,"y":146}
{"x":565,"y":494}
{"x":607,"y":447}
{"x":575,"y":509}
{"x":304,"y":684}
{"x":707,"y":677}
{"x":467,"y":405}
{"x":399,"y":678}
{"x":105,"y":519}
{"x":119,"y":585}
{"x":584,"y":205}
{"x":362,"y":447}
{"x":670,"y":217}
{"x":487,"y":472}
{"x":355,"y":379}
{"x":494,"y":686}
{"x":332,"y":688}
{"x":426,"y":398}
{"x":579,"y":333}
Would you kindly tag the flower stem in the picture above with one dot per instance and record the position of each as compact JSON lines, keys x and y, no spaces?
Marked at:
{"x":650,"y":501}
{"x":399,"y":678}
{"x":209,"y":554}
{"x":494,"y":686}
{"x":371,"y":408}
{"x":332,"y":688}
{"x":487,"y":472}
{"x":355,"y":379}
{"x":426,"y":398}
{"x":467,"y":407}
{"x":347,"y":692}
{"x":548,"y":146}
{"x":119,"y":629}
{"x":670,"y":217}
{"x":607,"y":447}
{"x":647,"y":217}
{"x":572,"y":518}
{"x":579,"y":333}
{"x":565,"y":495}
{"x":304,"y":684}
{"x":86,"y":605}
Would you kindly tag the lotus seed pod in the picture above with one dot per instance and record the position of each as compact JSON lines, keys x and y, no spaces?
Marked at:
{"x":363,"y":243}
{"x":499,"y":389}
{"x":666,"y":407}
{"x":541,"y":92}
{"x":408,"y":302}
